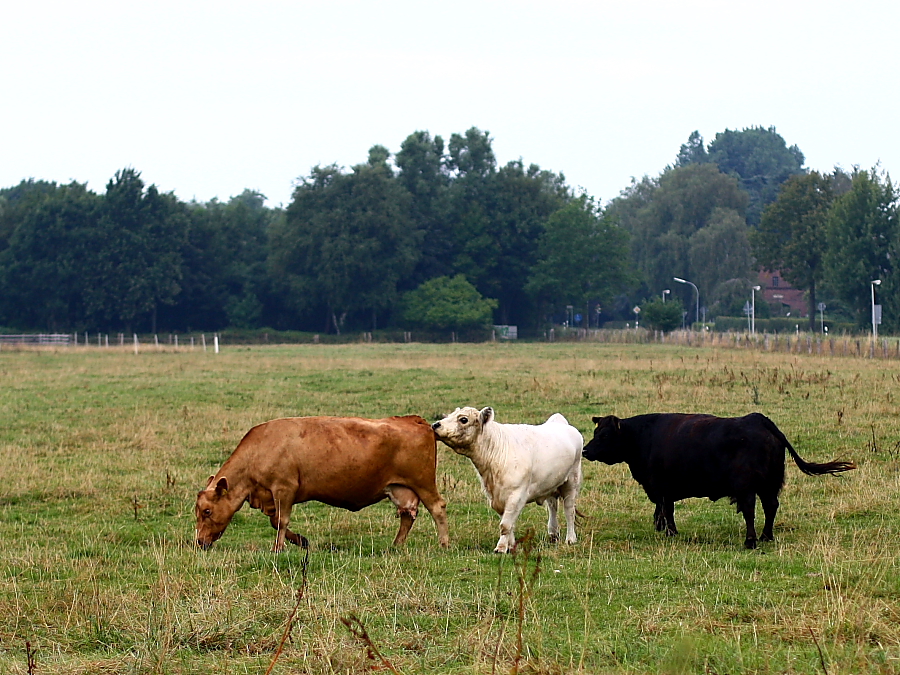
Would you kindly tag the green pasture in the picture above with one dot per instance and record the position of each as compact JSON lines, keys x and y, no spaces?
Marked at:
{"x":102,"y":452}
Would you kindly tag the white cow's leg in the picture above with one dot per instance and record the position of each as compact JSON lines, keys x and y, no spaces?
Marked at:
{"x":552,"y":520}
{"x":569,"y":492}
{"x":569,"y":508}
{"x":514,"y":506}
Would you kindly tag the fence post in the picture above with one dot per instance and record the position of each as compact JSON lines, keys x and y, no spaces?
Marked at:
{"x":135,"y":344}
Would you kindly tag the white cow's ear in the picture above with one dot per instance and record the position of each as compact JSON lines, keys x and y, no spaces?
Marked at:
{"x":487,"y":414}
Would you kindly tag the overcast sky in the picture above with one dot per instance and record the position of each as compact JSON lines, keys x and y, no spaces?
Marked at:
{"x":208,"y":98}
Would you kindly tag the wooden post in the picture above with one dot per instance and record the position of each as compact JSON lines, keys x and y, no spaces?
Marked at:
{"x":135,"y":344}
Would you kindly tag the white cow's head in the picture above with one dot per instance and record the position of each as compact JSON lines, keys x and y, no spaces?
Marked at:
{"x":462,"y":428}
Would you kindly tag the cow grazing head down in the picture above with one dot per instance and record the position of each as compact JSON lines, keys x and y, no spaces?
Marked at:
{"x":345,"y":462}
{"x":461,"y":428}
{"x":608,"y":444}
{"x":213,"y":512}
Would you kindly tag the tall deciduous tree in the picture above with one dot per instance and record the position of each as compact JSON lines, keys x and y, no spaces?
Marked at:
{"x":761,"y":159}
{"x":582,"y":258}
{"x":346,"y":241}
{"x":720,"y":252}
{"x":42,"y":269}
{"x":423,"y":172}
{"x":496,"y":217}
{"x":225,"y":280}
{"x":664,"y":215}
{"x":132,"y":259}
{"x":863,"y":235}
{"x":792,"y":233}
{"x":692,"y":152}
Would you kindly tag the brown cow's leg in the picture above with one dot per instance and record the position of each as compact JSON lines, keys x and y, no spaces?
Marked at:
{"x":407,"y":503}
{"x":437,"y":507}
{"x":280,"y":518}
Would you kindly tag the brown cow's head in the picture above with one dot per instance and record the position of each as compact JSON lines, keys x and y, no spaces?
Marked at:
{"x":461,"y":428}
{"x":214,"y":511}
{"x":608,"y":444}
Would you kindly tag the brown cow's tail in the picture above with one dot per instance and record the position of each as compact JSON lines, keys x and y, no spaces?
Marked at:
{"x":809,"y":468}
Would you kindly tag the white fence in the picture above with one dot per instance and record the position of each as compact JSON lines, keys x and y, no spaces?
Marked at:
{"x":37,"y":339}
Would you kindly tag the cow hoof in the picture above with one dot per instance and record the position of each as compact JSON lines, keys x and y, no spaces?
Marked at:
{"x":750,"y":544}
{"x":766,"y":537}
{"x":554,"y":538}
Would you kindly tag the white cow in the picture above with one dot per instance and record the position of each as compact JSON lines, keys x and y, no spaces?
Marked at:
{"x":519,"y":464}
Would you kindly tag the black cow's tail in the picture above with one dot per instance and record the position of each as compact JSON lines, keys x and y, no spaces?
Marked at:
{"x":809,"y":468}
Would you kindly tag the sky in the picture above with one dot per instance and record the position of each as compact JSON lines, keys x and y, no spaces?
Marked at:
{"x":207,"y":99}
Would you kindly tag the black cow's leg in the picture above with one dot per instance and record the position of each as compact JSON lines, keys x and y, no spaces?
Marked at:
{"x":747,"y":506}
{"x":770,"y":507}
{"x":659,"y":520}
{"x":669,"y":517}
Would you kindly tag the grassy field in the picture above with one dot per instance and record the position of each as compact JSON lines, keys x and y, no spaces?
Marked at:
{"x":102,"y":453}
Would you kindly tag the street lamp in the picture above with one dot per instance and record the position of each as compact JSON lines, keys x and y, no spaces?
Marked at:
{"x":876,"y":282}
{"x":665,"y":293}
{"x":696,"y":290}
{"x":753,"y":290}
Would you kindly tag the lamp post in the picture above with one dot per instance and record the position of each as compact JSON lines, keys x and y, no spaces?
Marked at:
{"x":696,"y":290}
{"x":876,"y":282}
{"x":665,"y":293}
{"x":821,"y":308}
{"x":753,"y":290}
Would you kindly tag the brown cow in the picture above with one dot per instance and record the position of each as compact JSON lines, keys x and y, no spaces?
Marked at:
{"x":346,"y":462}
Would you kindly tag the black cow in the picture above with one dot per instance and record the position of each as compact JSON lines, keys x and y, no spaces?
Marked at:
{"x":674,"y":456}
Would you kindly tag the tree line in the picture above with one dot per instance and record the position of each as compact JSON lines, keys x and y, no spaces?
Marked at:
{"x":440,"y":236}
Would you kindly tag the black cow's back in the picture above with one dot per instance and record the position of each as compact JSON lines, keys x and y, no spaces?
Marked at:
{"x":681,"y":455}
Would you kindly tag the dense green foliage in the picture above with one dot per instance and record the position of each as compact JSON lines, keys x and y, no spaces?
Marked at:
{"x":447,"y":303}
{"x":660,"y":315}
{"x":351,"y":243}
